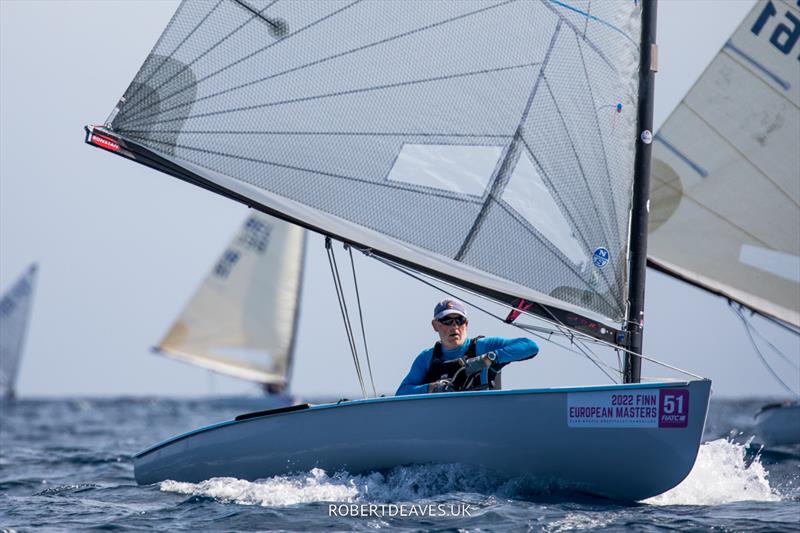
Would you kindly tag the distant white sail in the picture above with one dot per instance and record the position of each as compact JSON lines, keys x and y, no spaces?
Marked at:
{"x":725,"y":192}
{"x":15,"y":309}
{"x":241,"y":321}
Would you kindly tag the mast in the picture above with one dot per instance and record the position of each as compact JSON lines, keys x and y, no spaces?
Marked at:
{"x":634,"y":326}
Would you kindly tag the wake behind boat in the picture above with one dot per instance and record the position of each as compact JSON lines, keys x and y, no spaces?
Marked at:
{"x":557,"y":438}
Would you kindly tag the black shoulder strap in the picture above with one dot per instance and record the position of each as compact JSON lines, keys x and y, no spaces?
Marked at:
{"x":437,"y":354}
{"x":472,"y":349}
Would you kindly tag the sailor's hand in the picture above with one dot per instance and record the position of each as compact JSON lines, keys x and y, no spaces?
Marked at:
{"x":443,"y":385}
{"x":473,"y":365}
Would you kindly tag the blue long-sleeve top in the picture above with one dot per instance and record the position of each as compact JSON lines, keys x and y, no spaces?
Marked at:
{"x":507,"y":351}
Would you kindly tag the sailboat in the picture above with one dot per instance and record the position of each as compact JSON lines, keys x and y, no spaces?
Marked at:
{"x":15,"y":311}
{"x":242,"y":320}
{"x":725,"y":196}
{"x":499,"y":146}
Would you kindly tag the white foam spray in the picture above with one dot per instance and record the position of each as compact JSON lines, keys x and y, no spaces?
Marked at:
{"x":277,"y":491}
{"x":721,"y":475}
{"x":408,"y":483}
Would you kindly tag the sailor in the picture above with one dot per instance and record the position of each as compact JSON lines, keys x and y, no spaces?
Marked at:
{"x":457,"y":362}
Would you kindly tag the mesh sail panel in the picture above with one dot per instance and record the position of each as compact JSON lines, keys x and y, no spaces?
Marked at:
{"x":498,"y":136}
{"x":15,"y":308}
{"x":725,"y":188}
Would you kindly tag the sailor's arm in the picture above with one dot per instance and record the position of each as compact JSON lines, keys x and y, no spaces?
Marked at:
{"x":414,"y":381}
{"x":508,"y":350}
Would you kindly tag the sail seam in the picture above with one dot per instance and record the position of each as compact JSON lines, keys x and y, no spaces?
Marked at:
{"x":143,"y":83}
{"x":312,"y":63}
{"x":425,"y":191}
{"x":602,"y":144}
{"x":341,"y":93}
{"x":742,"y":154}
{"x":699,"y":204}
{"x":596,"y":19}
{"x":575,"y":30}
{"x":730,"y":46}
{"x":510,"y":158}
{"x":759,"y":78}
{"x":557,"y":196}
{"x":237,"y":61}
{"x":554,"y":250}
{"x":595,"y":209}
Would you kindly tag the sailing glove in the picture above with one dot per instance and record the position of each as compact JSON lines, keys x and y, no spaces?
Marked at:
{"x":443,"y":385}
{"x":473,"y":365}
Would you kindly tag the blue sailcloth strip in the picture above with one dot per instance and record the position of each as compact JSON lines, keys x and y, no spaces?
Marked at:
{"x":697,"y":168}
{"x":785,"y":84}
{"x":592,"y":17}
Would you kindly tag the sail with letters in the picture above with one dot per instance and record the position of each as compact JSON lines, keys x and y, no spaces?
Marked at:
{"x":725,"y":200}
{"x":15,"y":310}
{"x":499,"y":145}
{"x":242,"y":320}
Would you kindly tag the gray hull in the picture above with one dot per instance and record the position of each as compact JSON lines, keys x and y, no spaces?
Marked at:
{"x":570,"y":438}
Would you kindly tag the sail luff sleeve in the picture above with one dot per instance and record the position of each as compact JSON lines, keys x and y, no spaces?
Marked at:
{"x":641,"y":196}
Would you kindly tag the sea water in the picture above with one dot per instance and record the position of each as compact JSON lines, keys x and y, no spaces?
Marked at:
{"x":67,"y":465}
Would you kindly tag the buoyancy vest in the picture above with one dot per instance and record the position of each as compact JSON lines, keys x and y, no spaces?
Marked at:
{"x":440,"y":369}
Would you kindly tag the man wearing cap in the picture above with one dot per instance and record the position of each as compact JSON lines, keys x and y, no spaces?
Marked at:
{"x":457,"y":362}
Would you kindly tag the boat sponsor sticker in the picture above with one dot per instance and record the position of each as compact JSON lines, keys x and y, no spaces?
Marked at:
{"x":656,"y":408}
{"x":600,"y":257}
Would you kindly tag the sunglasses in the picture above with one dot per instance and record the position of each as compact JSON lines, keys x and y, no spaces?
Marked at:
{"x":450,"y":320}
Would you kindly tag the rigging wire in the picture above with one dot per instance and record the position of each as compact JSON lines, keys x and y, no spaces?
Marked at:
{"x":561,"y":328}
{"x":748,"y":327}
{"x":337,"y":282}
{"x":575,"y":342}
{"x":766,"y":341}
{"x":361,"y":319}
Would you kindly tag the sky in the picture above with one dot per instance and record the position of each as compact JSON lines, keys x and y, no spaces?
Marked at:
{"x":121,"y":247}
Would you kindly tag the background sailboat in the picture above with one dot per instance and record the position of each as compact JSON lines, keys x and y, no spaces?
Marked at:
{"x":15,"y":311}
{"x":725,"y":192}
{"x":242,"y":320}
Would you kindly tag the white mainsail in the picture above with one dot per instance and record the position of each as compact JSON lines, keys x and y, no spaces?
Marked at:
{"x":15,"y":310}
{"x":241,"y":321}
{"x":725,"y":189}
{"x":488,"y":142}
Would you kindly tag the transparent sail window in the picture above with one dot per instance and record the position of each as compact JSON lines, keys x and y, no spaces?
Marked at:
{"x":455,"y":168}
{"x":527,"y":194}
{"x":780,"y":264}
